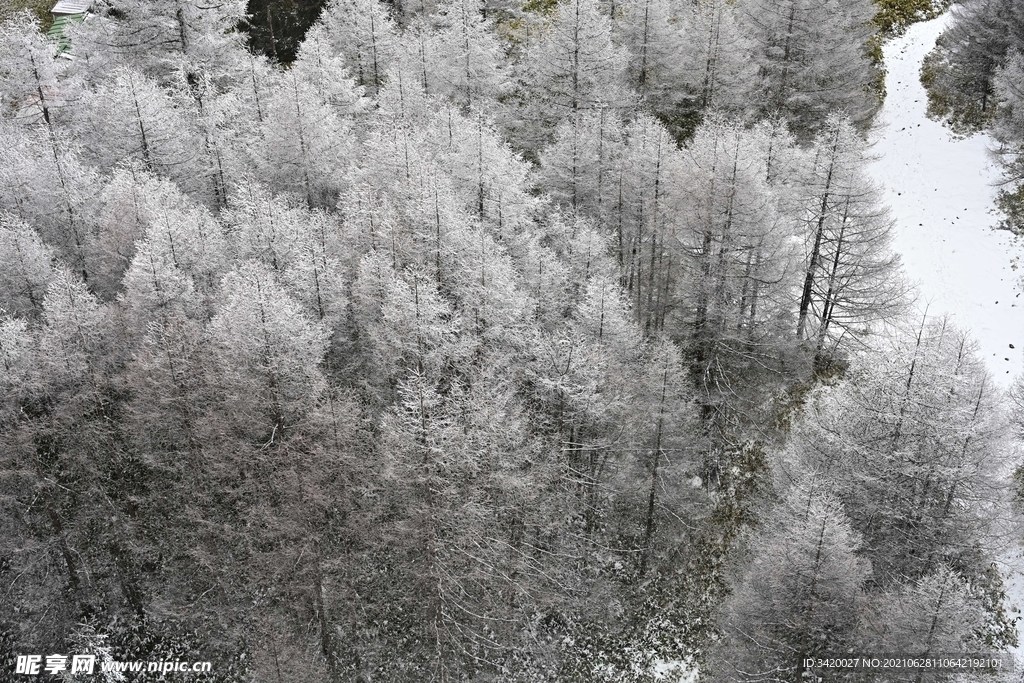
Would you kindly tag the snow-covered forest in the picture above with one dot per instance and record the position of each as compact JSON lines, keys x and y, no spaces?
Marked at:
{"x":488,"y":340}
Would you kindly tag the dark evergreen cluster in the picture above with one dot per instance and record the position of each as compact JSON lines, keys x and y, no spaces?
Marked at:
{"x":276,"y":27}
{"x":481,"y":342}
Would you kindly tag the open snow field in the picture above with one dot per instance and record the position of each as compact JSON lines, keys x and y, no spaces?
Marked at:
{"x":941,"y":191}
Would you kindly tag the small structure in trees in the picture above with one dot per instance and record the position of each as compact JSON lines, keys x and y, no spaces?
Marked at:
{"x":66,"y":13}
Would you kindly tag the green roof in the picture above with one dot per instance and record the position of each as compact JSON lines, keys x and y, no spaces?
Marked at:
{"x":56,"y":31}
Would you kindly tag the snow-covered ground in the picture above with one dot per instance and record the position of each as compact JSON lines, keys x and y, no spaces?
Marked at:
{"x":941,"y":192}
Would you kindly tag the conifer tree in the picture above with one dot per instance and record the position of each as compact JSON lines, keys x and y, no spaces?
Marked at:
{"x":812,"y":56}
{"x":851,"y":278}
{"x":318,"y":278}
{"x":582,"y":170}
{"x":491,"y":181}
{"x":54,"y":380}
{"x":801,"y":595}
{"x":47,"y":185}
{"x":647,"y":28}
{"x":183,"y":233}
{"x":937,"y":613}
{"x":668,"y":469}
{"x":219,"y":124}
{"x":264,"y":227}
{"x":574,"y":67}
{"x":154,"y":133}
{"x":959,"y":74}
{"x":1008,"y":129}
{"x":156,"y":289}
{"x":918,"y":438}
{"x":715,"y":71}
{"x":738,"y":268}
{"x":17,"y":346}
{"x":418,"y":47}
{"x":308,"y":142}
{"x":364,"y":32}
{"x":267,"y":354}
{"x":25,"y":268}
{"x":72,"y":339}
{"x":29,"y":81}
{"x":546,"y":280}
{"x":644,"y":225}
{"x":470,"y":64}
{"x":167,"y":375}
{"x":159,"y":39}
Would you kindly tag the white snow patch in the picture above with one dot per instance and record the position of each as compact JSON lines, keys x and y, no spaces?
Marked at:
{"x":677,"y":672}
{"x":941,"y":191}
{"x":1012,"y":570}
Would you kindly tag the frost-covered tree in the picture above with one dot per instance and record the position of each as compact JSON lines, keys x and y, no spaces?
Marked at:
{"x":305,"y":248}
{"x":17,"y":353}
{"x":917,"y":435}
{"x":715,"y":70}
{"x":671,"y":458}
{"x":812,"y":57}
{"x":850,"y":277}
{"x":67,"y":361}
{"x":959,"y":74}
{"x":185,"y":233}
{"x":71,"y":345}
{"x":581,"y":168}
{"x":973,"y":81}
{"x":28,"y":82}
{"x":418,"y":49}
{"x":159,"y":39}
{"x":267,"y":354}
{"x":154,"y":133}
{"x":737,"y":266}
{"x":1008,"y":129}
{"x":25,"y":268}
{"x":469,"y":66}
{"x":133,"y":206}
{"x":572,"y":67}
{"x":306,"y":136}
{"x":46,"y":184}
{"x":801,"y":595}
{"x":648,"y":29}
{"x":219,"y":126}
{"x":364,"y":32}
{"x":491,"y":181}
{"x":643,"y":218}
{"x":456,"y":543}
{"x":264,"y":227}
{"x":937,"y":613}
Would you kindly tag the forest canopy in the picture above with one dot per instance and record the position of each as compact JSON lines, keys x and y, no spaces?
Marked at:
{"x":479,"y":341}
